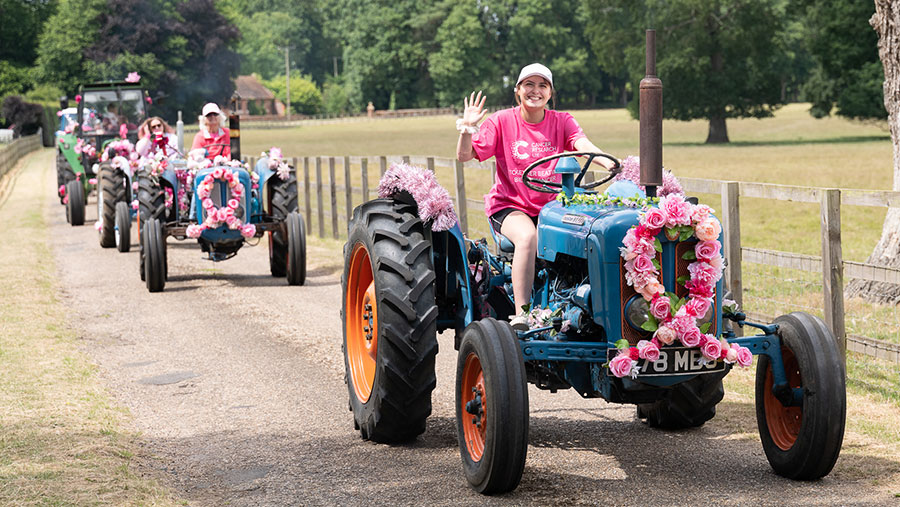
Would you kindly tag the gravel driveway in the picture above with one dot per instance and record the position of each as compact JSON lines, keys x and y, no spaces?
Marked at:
{"x":234,"y":381}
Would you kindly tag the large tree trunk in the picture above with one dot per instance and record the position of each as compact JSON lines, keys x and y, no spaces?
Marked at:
{"x":886,"y":22}
{"x":718,"y":130}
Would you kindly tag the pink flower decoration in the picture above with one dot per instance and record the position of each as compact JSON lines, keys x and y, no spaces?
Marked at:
{"x":248,"y":231}
{"x":707,"y":250}
{"x":655,"y":218}
{"x":677,"y":210}
{"x":665,"y":335}
{"x":691,"y":337}
{"x":744,"y":357}
{"x":433,"y":200}
{"x":660,"y":307}
{"x":708,"y":230}
{"x":648,"y":350}
{"x":622,"y":365}
{"x":711,"y":349}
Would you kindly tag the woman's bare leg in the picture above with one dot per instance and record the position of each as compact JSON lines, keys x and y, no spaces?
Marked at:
{"x":519,"y":229}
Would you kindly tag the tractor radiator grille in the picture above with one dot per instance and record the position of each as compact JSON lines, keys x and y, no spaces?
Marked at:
{"x":221,"y":188}
{"x":629,"y":333}
{"x":681,"y":269}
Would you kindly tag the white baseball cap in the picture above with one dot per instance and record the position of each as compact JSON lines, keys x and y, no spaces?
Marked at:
{"x":211,"y":108}
{"x":535,"y":69}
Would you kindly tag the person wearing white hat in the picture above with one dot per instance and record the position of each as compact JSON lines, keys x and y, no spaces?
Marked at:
{"x":516,"y":137}
{"x":214,"y":139}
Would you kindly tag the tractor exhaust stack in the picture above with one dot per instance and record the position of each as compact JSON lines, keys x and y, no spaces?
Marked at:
{"x":651,"y":121}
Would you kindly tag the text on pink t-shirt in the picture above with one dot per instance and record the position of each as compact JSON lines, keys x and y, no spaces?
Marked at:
{"x":516,"y":144}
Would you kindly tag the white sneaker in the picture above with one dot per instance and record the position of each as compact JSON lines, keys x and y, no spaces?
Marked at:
{"x":519,"y":322}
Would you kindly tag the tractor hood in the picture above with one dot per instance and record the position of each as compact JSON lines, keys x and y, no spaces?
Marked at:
{"x":565,"y":230}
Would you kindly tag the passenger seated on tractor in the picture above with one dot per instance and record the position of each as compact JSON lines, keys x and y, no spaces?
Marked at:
{"x":517,"y":137}
{"x":212,"y":137}
{"x":156,"y":135}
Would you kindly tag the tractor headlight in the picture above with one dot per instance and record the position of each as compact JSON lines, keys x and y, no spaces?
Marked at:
{"x":637,"y":311}
{"x":707,"y":318}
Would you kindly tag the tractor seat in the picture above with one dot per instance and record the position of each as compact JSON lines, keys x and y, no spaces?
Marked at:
{"x":506,"y":246}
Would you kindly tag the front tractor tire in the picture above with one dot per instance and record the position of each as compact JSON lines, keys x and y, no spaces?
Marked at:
{"x":687,"y":405}
{"x":282,"y":202}
{"x":112,"y":191}
{"x":75,"y":202}
{"x":153,"y":255}
{"x":491,"y":407}
{"x":803,"y":442}
{"x":295,"y":271}
{"x":390,"y":321}
{"x":123,"y":226}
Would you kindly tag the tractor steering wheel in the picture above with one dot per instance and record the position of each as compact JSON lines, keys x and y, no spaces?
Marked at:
{"x":551,"y":187}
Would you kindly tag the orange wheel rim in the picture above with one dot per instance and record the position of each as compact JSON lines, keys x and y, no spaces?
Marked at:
{"x":474,"y":407}
{"x":783,"y":422}
{"x":361,"y":323}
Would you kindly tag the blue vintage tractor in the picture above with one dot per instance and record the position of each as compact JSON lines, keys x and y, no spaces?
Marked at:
{"x":403,"y":283}
{"x":258,"y":201}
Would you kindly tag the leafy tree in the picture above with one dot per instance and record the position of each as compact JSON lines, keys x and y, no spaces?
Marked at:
{"x":848,"y":74}
{"x":462,"y":61}
{"x":305,"y":97}
{"x":334,"y":97}
{"x":718,"y":59}
{"x":23,"y":21}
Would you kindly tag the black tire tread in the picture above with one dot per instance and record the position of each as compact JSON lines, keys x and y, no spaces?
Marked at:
{"x":687,"y":405}
{"x":400,"y":401}
{"x":112,"y":187}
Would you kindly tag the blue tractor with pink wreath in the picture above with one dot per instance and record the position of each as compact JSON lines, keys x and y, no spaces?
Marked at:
{"x":222,"y":204}
{"x":628,"y":305}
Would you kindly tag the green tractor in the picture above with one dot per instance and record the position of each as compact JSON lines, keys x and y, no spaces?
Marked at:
{"x":105,"y":112}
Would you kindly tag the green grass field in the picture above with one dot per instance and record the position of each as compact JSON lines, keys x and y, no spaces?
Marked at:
{"x":791,"y":148}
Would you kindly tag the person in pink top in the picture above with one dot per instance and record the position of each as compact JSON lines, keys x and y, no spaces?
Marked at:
{"x":516,"y":137}
{"x":214,"y":139}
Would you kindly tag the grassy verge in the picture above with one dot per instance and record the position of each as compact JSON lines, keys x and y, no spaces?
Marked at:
{"x":61,"y":437}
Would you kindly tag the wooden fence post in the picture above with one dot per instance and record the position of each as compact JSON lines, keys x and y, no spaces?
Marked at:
{"x":319,"y":205}
{"x":382,"y":161}
{"x":461,"y":204}
{"x":833,"y":267}
{"x":333,"y":188}
{"x":731,"y":226}
{"x":306,"y":191}
{"x":364,"y":173}
{"x":297,"y":178}
{"x":348,"y":191}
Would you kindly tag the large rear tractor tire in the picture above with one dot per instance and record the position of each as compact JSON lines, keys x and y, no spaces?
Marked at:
{"x":75,"y":203}
{"x":296,"y":252}
{"x":390,"y":321}
{"x":803,"y":442}
{"x":282,"y":202}
{"x":123,"y":226}
{"x":154,"y":255}
{"x":491,"y":407}
{"x":112,"y":190}
{"x":687,"y":405}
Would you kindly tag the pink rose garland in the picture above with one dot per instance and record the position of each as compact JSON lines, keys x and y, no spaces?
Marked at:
{"x":639,"y":251}
{"x":217,"y":216}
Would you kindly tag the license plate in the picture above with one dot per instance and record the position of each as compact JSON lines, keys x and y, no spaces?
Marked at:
{"x":675,"y":361}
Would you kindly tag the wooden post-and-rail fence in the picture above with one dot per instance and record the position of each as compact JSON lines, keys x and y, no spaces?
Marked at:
{"x":830,"y":264}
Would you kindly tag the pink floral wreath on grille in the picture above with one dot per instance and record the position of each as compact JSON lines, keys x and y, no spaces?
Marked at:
{"x":673,"y":318}
{"x":216,"y":216}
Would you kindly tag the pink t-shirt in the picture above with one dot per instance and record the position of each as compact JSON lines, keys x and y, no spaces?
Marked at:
{"x":204,"y":139}
{"x":516,"y":144}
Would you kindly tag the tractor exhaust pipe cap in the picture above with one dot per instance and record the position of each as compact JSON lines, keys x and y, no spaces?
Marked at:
{"x":651,"y":121}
